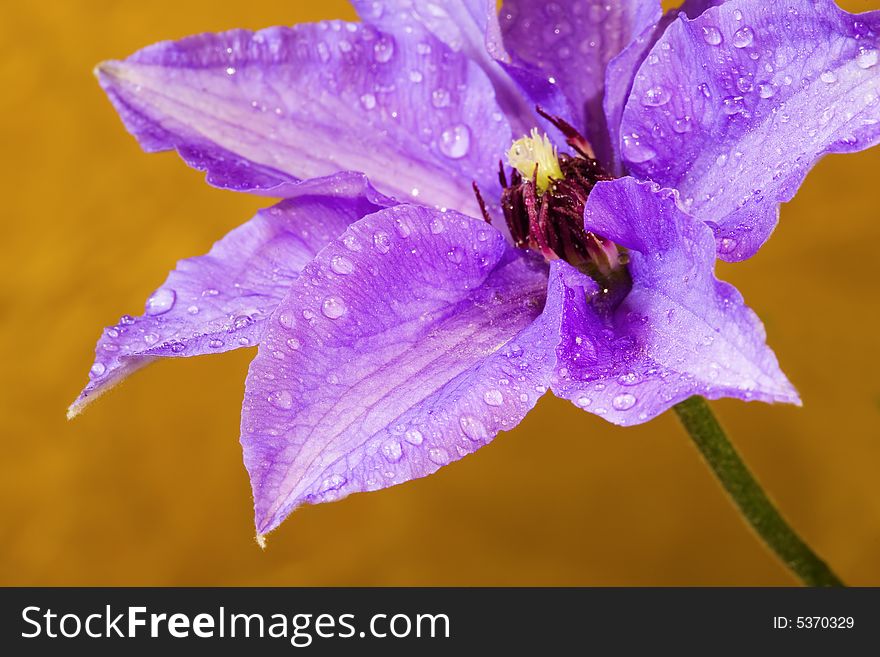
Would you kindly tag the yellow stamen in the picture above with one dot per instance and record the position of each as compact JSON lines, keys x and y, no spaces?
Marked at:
{"x":535,"y":151}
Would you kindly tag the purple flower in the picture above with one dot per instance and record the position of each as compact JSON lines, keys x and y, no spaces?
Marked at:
{"x":398,"y":331}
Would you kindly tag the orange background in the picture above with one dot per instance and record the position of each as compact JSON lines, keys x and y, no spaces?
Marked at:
{"x":147,"y":487}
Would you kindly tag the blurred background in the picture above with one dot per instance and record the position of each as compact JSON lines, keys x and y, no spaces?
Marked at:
{"x":148,"y":488}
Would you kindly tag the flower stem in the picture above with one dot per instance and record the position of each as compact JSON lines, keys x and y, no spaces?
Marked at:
{"x":703,"y":427}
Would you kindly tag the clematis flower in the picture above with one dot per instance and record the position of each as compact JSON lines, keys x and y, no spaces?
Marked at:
{"x":409,"y":300}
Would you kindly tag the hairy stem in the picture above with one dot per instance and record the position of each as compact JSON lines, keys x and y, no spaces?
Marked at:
{"x":746,"y":492}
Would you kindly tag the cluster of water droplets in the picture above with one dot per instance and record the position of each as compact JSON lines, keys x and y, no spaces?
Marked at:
{"x":762,"y":91}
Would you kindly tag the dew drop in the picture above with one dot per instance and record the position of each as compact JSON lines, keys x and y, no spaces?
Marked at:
{"x":281,"y":399}
{"x":828,"y":77}
{"x":215,"y":344}
{"x":635,"y":151}
{"x":473,"y":428}
{"x":151,"y":338}
{"x":743,"y":37}
{"x":333,"y":307}
{"x":383,"y":50}
{"x":286,"y":320}
{"x":241,"y":322}
{"x":414,"y":437}
{"x":368,"y":101}
{"x":293,"y":344}
{"x":341,"y":265}
{"x":656,"y":96}
{"x":623,"y":402}
{"x":438,"y":455}
{"x":682,"y":125}
{"x":583,"y":401}
{"x":381,"y":241}
{"x":97,"y":370}
{"x":493,"y":398}
{"x":176,"y":346}
{"x":456,"y":254}
{"x":867,"y":58}
{"x":392,"y":451}
{"x":455,"y":141}
{"x":161,"y":301}
{"x":712,"y":35}
{"x":765,"y":90}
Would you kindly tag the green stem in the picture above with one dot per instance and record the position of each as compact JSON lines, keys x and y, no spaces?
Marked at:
{"x":756,"y":507}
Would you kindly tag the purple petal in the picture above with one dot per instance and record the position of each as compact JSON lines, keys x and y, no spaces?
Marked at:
{"x":471,"y":27}
{"x":741,"y":103}
{"x":622,"y":69}
{"x":619,"y":76}
{"x":219,"y":301}
{"x":572,"y":42}
{"x":259,"y":110}
{"x":679,"y":332}
{"x":405,"y":345}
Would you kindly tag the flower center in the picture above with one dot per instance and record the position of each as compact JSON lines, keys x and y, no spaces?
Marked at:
{"x":543,"y":203}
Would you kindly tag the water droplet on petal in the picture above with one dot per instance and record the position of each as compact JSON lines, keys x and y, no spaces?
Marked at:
{"x":656,"y":96}
{"x":456,"y":254}
{"x":743,"y":37}
{"x":623,"y":402}
{"x":473,"y":428}
{"x":215,"y":344}
{"x":867,"y":58}
{"x":381,"y":241}
{"x":281,"y":399}
{"x":161,"y":301}
{"x":438,"y":455}
{"x":333,"y":307}
{"x":766,"y":90}
{"x":493,"y":398}
{"x":97,"y":370}
{"x":828,"y":77}
{"x":383,"y":50}
{"x":712,"y":35}
{"x":635,"y":151}
{"x":341,"y":265}
{"x":455,"y":142}
{"x":414,"y":437}
{"x":286,"y":320}
{"x":583,"y":401}
{"x":368,"y":101}
{"x":392,"y":451}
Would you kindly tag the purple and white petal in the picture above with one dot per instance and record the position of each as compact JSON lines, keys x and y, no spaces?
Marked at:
{"x":572,"y":42}
{"x":407,"y":344}
{"x":220,"y":301}
{"x":742,"y":101}
{"x":262,"y":109}
{"x":679,"y":332}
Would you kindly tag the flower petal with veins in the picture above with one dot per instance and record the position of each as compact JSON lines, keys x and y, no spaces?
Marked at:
{"x":733,"y":108}
{"x":679,"y":332}
{"x":220,"y":301}
{"x":262,"y":109}
{"x":418,"y":351}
